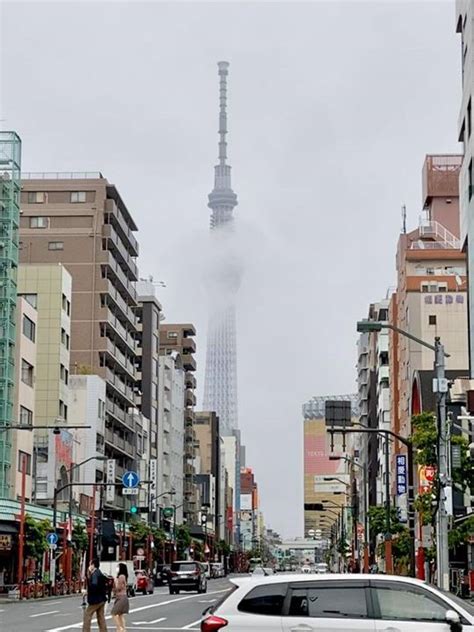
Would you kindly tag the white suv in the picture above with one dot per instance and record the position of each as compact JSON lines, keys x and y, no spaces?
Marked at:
{"x":323,"y":603}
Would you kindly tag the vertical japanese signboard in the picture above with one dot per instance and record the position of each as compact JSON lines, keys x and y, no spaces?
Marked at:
{"x":110,"y":478}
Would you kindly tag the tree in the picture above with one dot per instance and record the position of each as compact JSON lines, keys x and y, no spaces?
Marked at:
{"x":460,"y":535}
{"x":183,"y":538}
{"x":140,"y":532}
{"x":378,"y":520}
{"x":35,"y":537}
{"x":80,"y":541}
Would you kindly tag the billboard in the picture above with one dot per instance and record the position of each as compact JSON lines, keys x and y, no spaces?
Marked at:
{"x":245,"y":502}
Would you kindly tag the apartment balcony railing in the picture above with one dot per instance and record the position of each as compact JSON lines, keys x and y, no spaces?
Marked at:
{"x":119,"y":220}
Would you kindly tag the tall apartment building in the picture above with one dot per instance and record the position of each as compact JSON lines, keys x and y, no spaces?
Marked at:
{"x":430,"y":298}
{"x":22,"y":441}
{"x":149,"y":314}
{"x":171,"y":381}
{"x":180,"y":338}
{"x":465,"y":27}
{"x":10,"y":159}
{"x":374,"y":408}
{"x":48,"y":289}
{"x":81,"y":221}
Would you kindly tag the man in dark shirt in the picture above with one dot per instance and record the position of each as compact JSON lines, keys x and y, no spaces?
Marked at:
{"x":96,"y":597}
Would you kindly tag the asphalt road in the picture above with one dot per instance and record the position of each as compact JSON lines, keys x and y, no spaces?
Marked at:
{"x":160,"y":611}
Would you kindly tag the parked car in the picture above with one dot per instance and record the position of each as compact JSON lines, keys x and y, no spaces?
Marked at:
{"x":359,"y":603}
{"x":144,"y":583}
{"x":187,"y":575}
{"x":110,"y":571}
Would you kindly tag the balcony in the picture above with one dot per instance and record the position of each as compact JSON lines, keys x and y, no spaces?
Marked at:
{"x":190,"y":380}
{"x":120,"y":386}
{"x":118,"y":329}
{"x":116,"y":273}
{"x":189,"y":344}
{"x":116,"y":303}
{"x":189,"y":397}
{"x":120,"y":250}
{"x":189,"y":363}
{"x":120,"y":359}
{"x":119,"y":222}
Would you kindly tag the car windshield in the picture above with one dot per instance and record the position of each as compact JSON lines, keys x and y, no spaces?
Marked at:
{"x":183,"y":566}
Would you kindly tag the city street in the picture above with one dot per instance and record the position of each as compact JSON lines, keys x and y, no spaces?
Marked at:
{"x":160,"y":611}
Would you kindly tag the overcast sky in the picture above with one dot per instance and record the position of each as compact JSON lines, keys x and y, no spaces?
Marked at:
{"x":332,"y":108}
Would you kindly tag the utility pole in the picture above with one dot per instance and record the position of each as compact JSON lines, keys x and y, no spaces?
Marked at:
{"x":388,"y":525}
{"x":440,"y":386}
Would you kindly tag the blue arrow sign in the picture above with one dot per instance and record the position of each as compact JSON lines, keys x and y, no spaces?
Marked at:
{"x":52,"y":538}
{"x":130,"y":479}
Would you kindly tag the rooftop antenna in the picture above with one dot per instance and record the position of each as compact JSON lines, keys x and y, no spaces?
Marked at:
{"x":404,"y":219}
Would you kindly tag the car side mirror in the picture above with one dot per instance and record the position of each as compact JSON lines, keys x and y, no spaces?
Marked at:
{"x":454,"y":621}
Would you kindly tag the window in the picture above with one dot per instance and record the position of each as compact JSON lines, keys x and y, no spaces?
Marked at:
{"x":32,"y":299}
{"x":62,"y":410}
{"x":36,"y":197}
{"x":29,"y":328}
{"x":56,"y":245}
{"x":21,"y":457}
{"x":266,"y":600}
{"x":78,"y":197}
{"x":409,"y":603}
{"x":172,"y":334}
{"x":65,"y":338}
{"x":39,"y":222}
{"x":340,"y":601}
{"x":27,"y":372}
{"x":64,"y":374}
{"x":26,"y":416}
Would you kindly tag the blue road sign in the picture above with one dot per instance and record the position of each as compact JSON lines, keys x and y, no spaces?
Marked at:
{"x":130,"y":479}
{"x":52,"y":539}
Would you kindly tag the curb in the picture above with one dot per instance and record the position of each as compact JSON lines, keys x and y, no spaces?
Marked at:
{"x":5,"y":600}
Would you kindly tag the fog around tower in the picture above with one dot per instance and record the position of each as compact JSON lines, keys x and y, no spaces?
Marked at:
{"x":321,"y":164}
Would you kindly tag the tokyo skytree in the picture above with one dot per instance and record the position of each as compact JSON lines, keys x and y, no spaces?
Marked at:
{"x":220,"y":386}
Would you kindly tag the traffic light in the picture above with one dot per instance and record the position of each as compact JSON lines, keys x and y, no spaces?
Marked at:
{"x":314,"y":507}
{"x":133,"y":509}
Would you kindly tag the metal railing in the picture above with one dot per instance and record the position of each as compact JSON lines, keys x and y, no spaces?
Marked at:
{"x":61,"y":175}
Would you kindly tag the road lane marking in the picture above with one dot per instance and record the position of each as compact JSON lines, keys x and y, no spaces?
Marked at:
{"x":149,"y":622}
{"x":43,"y":614}
{"x":152,"y":605}
{"x":191,"y":625}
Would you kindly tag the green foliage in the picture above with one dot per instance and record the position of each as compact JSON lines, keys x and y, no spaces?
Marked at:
{"x":80,"y":538}
{"x":35,"y":537}
{"x":378,"y":521}
{"x":459,"y":536}
{"x":401,"y":545}
{"x":223,"y":547}
{"x":140,"y":532}
{"x":183,"y":538}
{"x":424,"y":506}
{"x":424,"y":438}
{"x":198,"y":548}
{"x":464,"y":475}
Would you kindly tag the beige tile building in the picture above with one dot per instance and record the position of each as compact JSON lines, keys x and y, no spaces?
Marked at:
{"x":25,"y":374}
{"x":49,"y":288}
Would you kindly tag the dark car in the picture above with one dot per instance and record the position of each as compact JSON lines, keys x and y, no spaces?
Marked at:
{"x":187,"y":575}
{"x":144,"y":583}
{"x":162,"y":575}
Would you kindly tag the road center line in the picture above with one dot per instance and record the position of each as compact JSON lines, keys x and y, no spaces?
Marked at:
{"x":43,"y":614}
{"x":152,"y":605}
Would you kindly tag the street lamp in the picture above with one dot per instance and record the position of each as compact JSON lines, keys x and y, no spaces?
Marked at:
{"x":363,"y":467}
{"x":440,"y":387}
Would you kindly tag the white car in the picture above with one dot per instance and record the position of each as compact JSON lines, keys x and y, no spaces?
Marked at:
{"x":349,"y":603}
{"x":306,"y":569}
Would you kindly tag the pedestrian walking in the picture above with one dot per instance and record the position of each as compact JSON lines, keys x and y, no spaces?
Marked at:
{"x":96,"y":597}
{"x":121,"y":605}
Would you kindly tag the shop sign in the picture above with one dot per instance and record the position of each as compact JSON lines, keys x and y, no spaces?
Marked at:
{"x":5,"y":542}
